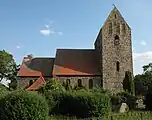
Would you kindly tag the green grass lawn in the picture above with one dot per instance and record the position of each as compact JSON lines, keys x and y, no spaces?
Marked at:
{"x":135,"y":115}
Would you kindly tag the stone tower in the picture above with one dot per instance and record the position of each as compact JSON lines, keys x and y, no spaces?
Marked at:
{"x":114,"y":46}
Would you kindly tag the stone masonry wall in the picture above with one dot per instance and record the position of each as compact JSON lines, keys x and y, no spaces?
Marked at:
{"x":112,"y":53}
{"x":85,"y":81}
{"x":24,"y":82}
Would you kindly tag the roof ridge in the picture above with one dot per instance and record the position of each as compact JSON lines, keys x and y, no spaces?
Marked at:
{"x":44,"y":58}
{"x":75,"y":49}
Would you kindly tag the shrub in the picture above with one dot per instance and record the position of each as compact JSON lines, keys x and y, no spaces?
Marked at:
{"x":3,"y":91}
{"x":21,"y":105}
{"x":80,"y":103}
{"x":52,"y":85}
{"x":148,"y":100}
{"x":123,"y":97}
{"x":128,"y":83}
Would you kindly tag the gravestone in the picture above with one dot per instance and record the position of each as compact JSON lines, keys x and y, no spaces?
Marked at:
{"x":123,"y":108}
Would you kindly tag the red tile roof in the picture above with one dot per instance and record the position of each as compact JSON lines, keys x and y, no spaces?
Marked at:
{"x":37,"y":84}
{"x":76,"y":62}
{"x":36,"y":67}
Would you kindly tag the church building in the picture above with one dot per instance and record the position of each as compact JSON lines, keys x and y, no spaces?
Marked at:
{"x":104,"y":66}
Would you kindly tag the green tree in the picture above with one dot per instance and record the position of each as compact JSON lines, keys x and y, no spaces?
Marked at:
{"x":143,"y":81}
{"x":8,"y":67}
{"x":52,"y":85}
{"x":128,"y":83}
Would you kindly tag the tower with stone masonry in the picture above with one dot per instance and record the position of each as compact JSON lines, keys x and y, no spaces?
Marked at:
{"x":114,"y":47}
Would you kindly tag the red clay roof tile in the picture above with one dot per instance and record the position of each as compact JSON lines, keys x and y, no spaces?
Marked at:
{"x":37,"y":84}
{"x":76,"y":62}
{"x":36,"y":67}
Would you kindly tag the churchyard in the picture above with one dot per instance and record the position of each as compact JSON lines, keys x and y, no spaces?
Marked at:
{"x":56,"y":101}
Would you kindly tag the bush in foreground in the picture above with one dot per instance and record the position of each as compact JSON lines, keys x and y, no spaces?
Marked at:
{"x":3,"y":91}
{"x":81,"y":104}
{"x":123,"y":97}
{"x":21,"y":105}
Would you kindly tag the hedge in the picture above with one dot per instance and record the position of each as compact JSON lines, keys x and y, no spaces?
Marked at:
{"x":21,"y":105}
{"x":3,"y":91}
{"x":80,"y":103}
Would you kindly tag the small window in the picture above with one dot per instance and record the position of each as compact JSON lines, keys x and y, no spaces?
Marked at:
{"x":110,"y":28}
{"x":116,"y":40}
{"x":68,"y":81}
{"x":118,"y":66}
{"x":123,"y":28}
{"x":115,"y":16}
{"x":30,"y":82}
{"x":90,"y":84}
{"x":79,"y":83}
{"x":118,"y":28}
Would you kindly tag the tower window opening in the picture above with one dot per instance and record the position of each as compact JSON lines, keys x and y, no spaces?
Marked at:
{"x":110,"y":28}
{"x":116,"y":40}
{"x":117,"y":66}
{"x":115,"y":16}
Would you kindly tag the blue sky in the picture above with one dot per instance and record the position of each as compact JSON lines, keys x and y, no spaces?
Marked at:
{"x":39,"y":27}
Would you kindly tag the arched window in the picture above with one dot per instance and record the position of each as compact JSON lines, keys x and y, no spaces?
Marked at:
{"x":30,"y":82}
{"x":68,"y":81}
{"x":110,"y":28}
{"x":79,"y":82}
{"x":123,"y":28}
{"x":116,"y":40}
{"x":117,"y":66}
{"x":90,"y":84}
{"x":115,"y":16}
{"x":118,"y":28}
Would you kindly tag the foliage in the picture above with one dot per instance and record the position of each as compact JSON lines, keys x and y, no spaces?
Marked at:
{"x":147,"y":68}
{"x":21,"y":105}
{"x":67,"y":86}
{"x":79,"y":87}
{"x":128,"y":98}
{"x":8,"y":67}
{"x":143,"y":82}
{"x":80,"y":103}
{"x":3,"y":91}
{"x":148,"y":99}
{"x":123,"y":97}
{"x":50,"y":101}
{"x":128,"y":83}
{"x":100,"y":90}
{"x":52,"y":85}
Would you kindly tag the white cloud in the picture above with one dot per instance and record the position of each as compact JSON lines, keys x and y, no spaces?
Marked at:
{"x":143,"y":55}
{"x":48,"y":29}
{"x":141,"y":59}
{"x":18,"y":47}
{"x":47,"y":32}
{"x":47,"y":26}
{"x":60,"y":33}
{"x":143,"y":43}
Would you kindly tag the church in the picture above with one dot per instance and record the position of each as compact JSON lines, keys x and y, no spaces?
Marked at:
{"x":104,"y":66}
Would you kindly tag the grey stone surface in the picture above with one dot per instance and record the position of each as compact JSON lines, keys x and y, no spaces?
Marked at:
{"x":123,"y":108}
{"x":112,"y":51}
{"x":85,"y":80}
